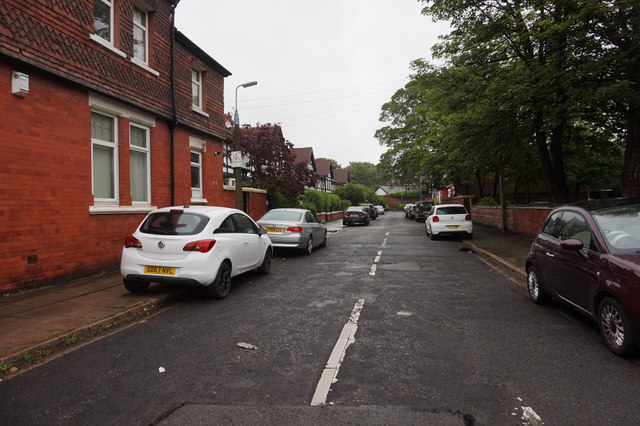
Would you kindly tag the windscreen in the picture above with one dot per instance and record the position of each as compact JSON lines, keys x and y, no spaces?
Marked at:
{"x":452,"y":210}
{"x":174,"y":223}
{"x":621,"y":228}
{"x":282,"y":215}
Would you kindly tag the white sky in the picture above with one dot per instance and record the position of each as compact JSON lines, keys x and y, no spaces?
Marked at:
{"x":324,"y":68}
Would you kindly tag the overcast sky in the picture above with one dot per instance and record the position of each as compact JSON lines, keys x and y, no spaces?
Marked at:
{"x":324,"y":68}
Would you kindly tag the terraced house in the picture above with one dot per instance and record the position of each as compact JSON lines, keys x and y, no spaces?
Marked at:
{"x":107,"y":111}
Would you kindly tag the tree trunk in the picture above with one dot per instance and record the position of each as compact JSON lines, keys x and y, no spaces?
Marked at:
{"x":631,"y":166}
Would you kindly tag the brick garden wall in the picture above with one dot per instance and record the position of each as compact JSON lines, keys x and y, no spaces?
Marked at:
{"x":521,"y":219}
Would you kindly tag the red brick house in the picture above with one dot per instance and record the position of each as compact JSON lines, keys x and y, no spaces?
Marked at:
{"x":107,"y":112}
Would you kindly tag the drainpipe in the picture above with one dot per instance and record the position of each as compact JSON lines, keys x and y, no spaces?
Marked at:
{"x":174,"y":111}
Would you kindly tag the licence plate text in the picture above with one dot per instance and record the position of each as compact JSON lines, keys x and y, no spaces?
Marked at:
{"x":453,"y":226}
{"x":275,"y":229}
{"x":160,"y":270}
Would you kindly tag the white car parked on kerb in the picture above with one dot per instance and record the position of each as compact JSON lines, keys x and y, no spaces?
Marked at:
{"x":448,"y":220}
{"x":194,"y":245}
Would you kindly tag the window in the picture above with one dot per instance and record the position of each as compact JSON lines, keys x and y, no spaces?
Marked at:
{"x":140,"y":45}
{"x":196,"y":88}
{"x":196,"y":175}
{"x":103,"y":159}
{"x":103,"y":19}
{"x":244,"y":224}
{"x":139,"y":164}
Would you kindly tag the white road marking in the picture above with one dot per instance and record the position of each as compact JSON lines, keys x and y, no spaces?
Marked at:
{"x":374,"y":267}
{"x":330,"y":373}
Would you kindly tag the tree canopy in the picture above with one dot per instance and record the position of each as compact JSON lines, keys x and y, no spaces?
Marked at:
{"x":273,"y":164}
{"x":527,"y":88}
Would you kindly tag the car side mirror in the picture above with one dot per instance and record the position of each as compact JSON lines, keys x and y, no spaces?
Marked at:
{"x":323,"y":221}
{"x":572,"y":244}
{"x":261,"y":231}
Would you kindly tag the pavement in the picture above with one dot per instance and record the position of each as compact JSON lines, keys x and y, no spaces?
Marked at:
{"x":38,"y":324}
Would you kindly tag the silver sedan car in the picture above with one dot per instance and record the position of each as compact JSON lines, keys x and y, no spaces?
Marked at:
{"x":294,"y":228}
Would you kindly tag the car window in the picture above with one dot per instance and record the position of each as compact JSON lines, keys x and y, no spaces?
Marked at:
{"x":575,"y":226}
{"x":244,"y":224}
{"x":174,"y":223}
{"x":452,"y":210}
{"x":282,"y":215}
{"x":310,"y":217}
{"x":553,"y":225}
{"x":227,"y":226}
{"x":621,"y":228}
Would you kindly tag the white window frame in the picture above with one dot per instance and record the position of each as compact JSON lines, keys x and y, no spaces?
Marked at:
{"x":197,"y":146}
{"x":109,"y":4}
{"x":144,"y":27}
{"x":106,"y":106}
{"x":114,"y":146}
{"x":196,"y":193}
{"x":198,"y":83}
{"x":147,"y":151}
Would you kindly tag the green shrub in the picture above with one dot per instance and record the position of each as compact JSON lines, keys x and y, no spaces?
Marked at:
{"x":487,"y":201}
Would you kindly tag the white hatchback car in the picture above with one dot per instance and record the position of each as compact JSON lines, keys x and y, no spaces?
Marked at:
{"x":194,"y":245}
{"x":448,"y":220}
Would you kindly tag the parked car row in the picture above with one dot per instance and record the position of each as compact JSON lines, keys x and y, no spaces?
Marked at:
{"x":362,"y":214}
{"x":207,"y":246}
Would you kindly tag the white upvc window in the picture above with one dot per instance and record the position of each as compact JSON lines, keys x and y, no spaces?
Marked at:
{"x":103,"y":19}
{"x":196,"y":175}
{"x":140,"y":35}
{"x":196,"y":88}
{"x":104,"y":154}
{"x":139,"y":164}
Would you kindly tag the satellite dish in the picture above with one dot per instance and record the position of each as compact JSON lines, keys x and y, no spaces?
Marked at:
{"x":228,"y":124}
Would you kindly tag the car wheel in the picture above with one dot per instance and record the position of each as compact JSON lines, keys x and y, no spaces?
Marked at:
{"x":469,"y":236}
{"x":432,"y":235}
{"x":324,"y":241}
{"x":265,"y":267}
{"x":344,"y":223}
{"x":309,"y":248}
{"x":615,"y":327}
{"x":219,"y":288}
{"x":135,"y":286}
{"x":537,"y":294}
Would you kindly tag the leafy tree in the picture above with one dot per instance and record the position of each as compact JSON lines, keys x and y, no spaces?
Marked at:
{"x":273,"y":165}
{"x":364,"y":174}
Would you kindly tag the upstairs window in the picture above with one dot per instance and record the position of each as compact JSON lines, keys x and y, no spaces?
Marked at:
{"x":196,"y":88}
{"x":103,"y":19}
{"x":140,"y":35}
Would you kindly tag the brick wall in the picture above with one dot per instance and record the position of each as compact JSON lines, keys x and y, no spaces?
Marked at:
{"x":522,"y":219}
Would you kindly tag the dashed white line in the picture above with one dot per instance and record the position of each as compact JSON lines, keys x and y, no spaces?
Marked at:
{"x":372,"y":271}
{"x":330,"y":373}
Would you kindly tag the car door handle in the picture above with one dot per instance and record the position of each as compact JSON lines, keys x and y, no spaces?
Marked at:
{"x":550,"y":254}
{"x":246,"y":242}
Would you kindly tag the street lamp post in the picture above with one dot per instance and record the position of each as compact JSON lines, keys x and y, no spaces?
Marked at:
{"x":237,"y":171}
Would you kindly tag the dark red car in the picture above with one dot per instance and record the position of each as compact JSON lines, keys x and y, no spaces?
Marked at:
{"x":587,"y":255}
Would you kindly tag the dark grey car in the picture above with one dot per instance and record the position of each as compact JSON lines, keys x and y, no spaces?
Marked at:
{"x":356,"y":214}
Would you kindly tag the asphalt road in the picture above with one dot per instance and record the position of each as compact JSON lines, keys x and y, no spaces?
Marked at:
{"x":383,"y":326}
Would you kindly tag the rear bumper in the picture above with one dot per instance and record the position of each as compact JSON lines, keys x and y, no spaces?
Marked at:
{"x":163,"y":279}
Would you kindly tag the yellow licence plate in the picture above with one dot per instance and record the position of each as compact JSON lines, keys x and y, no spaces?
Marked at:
{"x":159,"y":270}
{"x":453,"y":226}
{"x":275,"y":230}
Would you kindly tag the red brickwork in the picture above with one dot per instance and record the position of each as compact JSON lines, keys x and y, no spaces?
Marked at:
{"x":49,"y":227}
{"x":524,"y":220}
